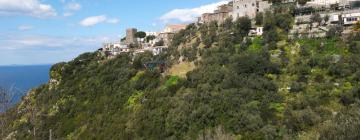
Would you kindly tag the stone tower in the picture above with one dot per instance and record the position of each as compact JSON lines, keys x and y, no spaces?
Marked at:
{"x":130,"y":36}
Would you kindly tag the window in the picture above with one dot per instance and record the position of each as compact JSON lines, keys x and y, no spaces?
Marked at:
{"x":351,"y":19}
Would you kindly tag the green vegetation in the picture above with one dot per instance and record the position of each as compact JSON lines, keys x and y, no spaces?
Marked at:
{"x":149,"y":38}
{"x":235,"y":87}
{"x":140,"y":34}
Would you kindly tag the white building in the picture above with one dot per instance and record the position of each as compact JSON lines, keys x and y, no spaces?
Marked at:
{"x":258,"y":31}
{"x":327,"y":3}
{"x":159,"y":49}
{"x":346,"y":18}
{"x":152,"y":33}
{"x":249,"y":8}
{"x":115,"y":48}
{"x":154,"y":50}
{"x":351,"y":18}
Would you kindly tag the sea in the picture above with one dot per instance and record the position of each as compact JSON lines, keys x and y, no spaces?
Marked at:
{"x":20,"y":79}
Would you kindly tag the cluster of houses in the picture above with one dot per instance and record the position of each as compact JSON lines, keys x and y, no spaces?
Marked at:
{"x":135,"y":45}
{"x":343,"y":13}
{"x":340,"y":12}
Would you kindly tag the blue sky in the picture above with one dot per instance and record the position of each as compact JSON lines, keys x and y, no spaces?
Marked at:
{"x":51,"y":31}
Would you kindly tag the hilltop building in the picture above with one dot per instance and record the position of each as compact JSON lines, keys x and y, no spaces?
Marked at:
{"x":220,"y":15}
{"x":115,"y":48}
{"x":249,"y":8}
{"x":174,"y":28}
{"x":152,"y":33}
{"x":351,"y":18}
{"x":130,"y":36}
{"x":156,"y":50}
{"x":168,"y":33}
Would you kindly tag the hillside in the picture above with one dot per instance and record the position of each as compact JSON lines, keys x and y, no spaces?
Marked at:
{"x":236,"y":87}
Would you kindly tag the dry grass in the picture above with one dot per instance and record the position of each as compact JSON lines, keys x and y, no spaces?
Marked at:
{"x":181,"y":69}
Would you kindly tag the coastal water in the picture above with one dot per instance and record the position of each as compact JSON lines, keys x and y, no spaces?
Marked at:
{"x":21,"y":79}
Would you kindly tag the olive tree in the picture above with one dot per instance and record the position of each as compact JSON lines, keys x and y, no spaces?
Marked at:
{"x":334,"y":31}
{"x":316,"y":18}
{"x":259,"y":18}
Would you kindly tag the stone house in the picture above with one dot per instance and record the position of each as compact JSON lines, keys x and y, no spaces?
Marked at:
{"x":174,"y":28}
{"x":220,"y":15}
{"x":249,"y":8}
{"x":168,"y":33}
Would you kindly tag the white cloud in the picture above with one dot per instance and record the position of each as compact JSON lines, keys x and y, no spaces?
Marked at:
{"x":70,"y":8}
{"x":26,"y":7}
{"x":91,"y":21}
{"x":190,"y":14}
{"x":67,"y":14}
{"x":25,"y":27}
{"x":73,"y":6}
{"x":113,"y":21}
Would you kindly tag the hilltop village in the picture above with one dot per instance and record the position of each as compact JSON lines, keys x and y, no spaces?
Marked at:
{"x":250,"y":70}
{"x":139,"y":42}
{"x":312,"y":19}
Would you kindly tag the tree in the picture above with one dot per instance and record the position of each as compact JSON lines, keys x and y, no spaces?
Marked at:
{"x":123,"y":39}
{"x":225,"y":39}
{"x":271,"y":36}
{"x":356,"y":27}
{"x":259,"y":18}
{"x":334,"y":31}
{"x":269,"y":21}
{"x":149,"y":38}
{"x":217,"y":133}
{"x":326,"y":18}
{"x":302,"y":2}
{"x":316,"y":18}
{"x":275,"y":1}
{"x":209,"y":33}
{"x":142,"y":58}
{"x":284,"y":21}
{"x":345,"y":125}
{"x":242,"y":28}
{"x":140,"y":34}
{"x":228,"y":24}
